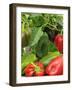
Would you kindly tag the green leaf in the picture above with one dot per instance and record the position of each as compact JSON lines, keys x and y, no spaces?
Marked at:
{"x":24,"y":22}
{"x":35,"y":36}
{"x":27,"y":58}
{"x":38,"y":20}
{"x":51,"y":46}
{"x":42,"y":46}
{"x":51,"y":55}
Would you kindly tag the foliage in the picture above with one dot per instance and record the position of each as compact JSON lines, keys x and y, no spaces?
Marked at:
{"x":27,"y":58}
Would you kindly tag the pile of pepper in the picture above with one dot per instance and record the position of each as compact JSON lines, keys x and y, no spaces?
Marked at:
{"x":54,"y":67}
{"x":42,"y":45}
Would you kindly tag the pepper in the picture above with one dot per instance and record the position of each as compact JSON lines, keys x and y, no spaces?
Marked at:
{"x":34,"y":69}
{"x":29,"y":70}
{"x":39,"y":69}
{"x":59,"y":42}
{"x":55,"y":67}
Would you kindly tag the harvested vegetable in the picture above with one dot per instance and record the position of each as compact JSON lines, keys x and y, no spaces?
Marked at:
{"x":36,"y":69}
{"x":55,"y":67}
{"x":59,"y":42}
{"x":29,"y":70}
{"x":39,"y":69}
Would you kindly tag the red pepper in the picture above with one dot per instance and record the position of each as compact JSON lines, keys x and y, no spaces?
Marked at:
{"x":55,"y":67}
{"x":29,"y":70}
{"x":39,"y":69}
{"x":59,"y":42}
{"x":40,"y":73}
{"x":40,"y":64}
{"x":36,"y":69}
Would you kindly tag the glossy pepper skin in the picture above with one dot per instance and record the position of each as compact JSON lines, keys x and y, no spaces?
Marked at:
{"x":55,"y":67}
{"x":34,"y":69}
{"x":59,"y":42}
{"x":39,"y":70}
{"x":29,"y":70}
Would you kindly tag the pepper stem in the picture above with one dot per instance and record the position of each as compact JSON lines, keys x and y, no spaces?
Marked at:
{"x":37,"y":68}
